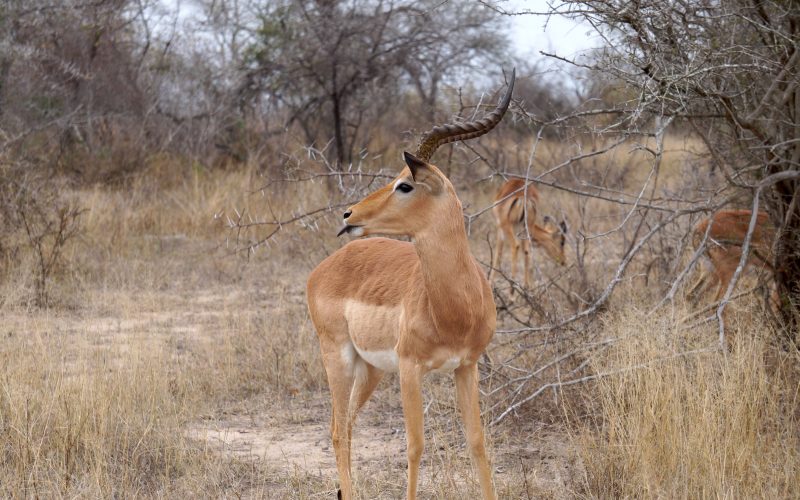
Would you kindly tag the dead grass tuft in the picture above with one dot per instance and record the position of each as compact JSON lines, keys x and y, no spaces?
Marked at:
{"x":693,"y":426}
{"x":89,"y":430}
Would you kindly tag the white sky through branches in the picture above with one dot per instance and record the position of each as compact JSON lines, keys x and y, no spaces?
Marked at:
{"x":554,"y":34}
{"x":530,"y":33}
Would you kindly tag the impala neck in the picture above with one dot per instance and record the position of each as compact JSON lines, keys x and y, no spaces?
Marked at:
{"x":453,"y":285}
{"x":539,"y":234}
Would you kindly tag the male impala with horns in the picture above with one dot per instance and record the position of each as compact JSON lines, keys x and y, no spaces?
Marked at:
{"x":382,"y":305}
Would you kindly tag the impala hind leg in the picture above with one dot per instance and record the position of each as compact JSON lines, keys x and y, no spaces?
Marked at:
{"x":366,"y":379}
{"x":352,"y":381}
{"x":411,"y":393}
{"x":706,"y":280}
{"x":511,"y":238}
{"x":467,"y":395}
{"x":340,"y":371}
{"x":725,"y":264}
{"x":514,"y":254}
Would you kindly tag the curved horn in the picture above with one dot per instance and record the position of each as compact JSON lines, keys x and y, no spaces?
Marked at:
{"x":452,"y":132}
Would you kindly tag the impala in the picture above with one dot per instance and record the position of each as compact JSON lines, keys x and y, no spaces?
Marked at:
{"x":724,"y":240}
{"x":382,"y":305}
{"x":515,"y":215}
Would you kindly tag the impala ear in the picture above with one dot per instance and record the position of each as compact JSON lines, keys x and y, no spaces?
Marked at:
{"x":414,"y":163}
{"x":564,"y":230}
{"x":422,"y":173}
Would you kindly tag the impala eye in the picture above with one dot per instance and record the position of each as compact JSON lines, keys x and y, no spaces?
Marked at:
{"x":405,"y":187}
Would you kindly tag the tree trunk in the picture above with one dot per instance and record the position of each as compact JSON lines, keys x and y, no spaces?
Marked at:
{"x":787,"y":257}
{"x":337,"y":129}
{"x":338,"y":132}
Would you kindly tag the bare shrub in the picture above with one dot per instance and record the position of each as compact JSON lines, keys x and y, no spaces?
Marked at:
{"x":37,"y":220}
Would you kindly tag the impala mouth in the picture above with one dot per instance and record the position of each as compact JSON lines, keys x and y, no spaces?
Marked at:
{"x":350,"y":229}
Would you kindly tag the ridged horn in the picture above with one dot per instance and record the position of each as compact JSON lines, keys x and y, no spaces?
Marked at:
{"x":452,"y":132}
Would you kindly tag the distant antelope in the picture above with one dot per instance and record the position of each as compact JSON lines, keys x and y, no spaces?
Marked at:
{"x":724,"y":247}
{"x":514,"y":206}
{"x":382,"y":305}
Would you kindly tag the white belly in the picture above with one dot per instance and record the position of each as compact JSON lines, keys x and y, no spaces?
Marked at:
{"x":449,"y":365}
{"x":386,"y":360}
{"x":373,"y":330}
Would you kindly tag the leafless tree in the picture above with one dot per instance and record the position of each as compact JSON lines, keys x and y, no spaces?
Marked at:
{"x":337,"y":66}
{"x":82,"y":72}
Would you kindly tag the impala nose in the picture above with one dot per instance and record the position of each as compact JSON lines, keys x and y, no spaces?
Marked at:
{"x":347,"y":214}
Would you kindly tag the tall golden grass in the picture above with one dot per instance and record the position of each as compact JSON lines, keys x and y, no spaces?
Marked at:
{"x":97,"y":393}
{"x":87,"y":429}
{"x":712,"y":424}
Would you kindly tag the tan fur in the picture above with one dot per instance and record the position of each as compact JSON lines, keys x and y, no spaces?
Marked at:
{"x":724,"y":247}
{"x":510,"y":217}
{"x":445,"y":312}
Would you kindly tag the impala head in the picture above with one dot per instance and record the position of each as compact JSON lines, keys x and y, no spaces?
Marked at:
{"x":421,"y":195}
{"x":407,"y":205}
{"x":555,"y":239}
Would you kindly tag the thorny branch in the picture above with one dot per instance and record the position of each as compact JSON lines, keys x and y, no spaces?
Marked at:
{"x":596,"y":376}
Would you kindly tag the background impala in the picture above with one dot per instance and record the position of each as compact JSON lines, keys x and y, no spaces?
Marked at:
{"x":722,"y":235}
{"x":515,"y":212}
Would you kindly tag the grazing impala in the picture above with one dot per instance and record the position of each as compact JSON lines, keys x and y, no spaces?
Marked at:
{"x":514,"y":206}
{"x":724,"y":247}
{"x":382,"y":305}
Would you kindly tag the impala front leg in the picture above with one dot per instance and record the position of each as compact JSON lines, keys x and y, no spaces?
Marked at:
{"x":498,"y":253}
{"x":467,"y":394}
{"x":514,"y":253}
{"x":526,"y":254}
{"x":411,"y":393}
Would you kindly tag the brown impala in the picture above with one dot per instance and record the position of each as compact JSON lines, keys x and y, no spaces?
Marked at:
{"x":724,"y":247}
{"x":382,"y":305}
{"x":515,"y":207}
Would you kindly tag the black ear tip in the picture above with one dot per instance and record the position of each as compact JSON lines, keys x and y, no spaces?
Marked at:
{"x":411,"y":159}
{"x":413,"y":163}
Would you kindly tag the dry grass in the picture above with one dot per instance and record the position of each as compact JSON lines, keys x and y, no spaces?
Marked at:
{"x":88,"y":429}
{"x":708,"y":425}
{"x":161,"y":335}
{"x":150,"y":334}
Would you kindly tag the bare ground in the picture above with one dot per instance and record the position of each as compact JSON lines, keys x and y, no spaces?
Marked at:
{"x":302,"y":443}
{"x":298,"y":442}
